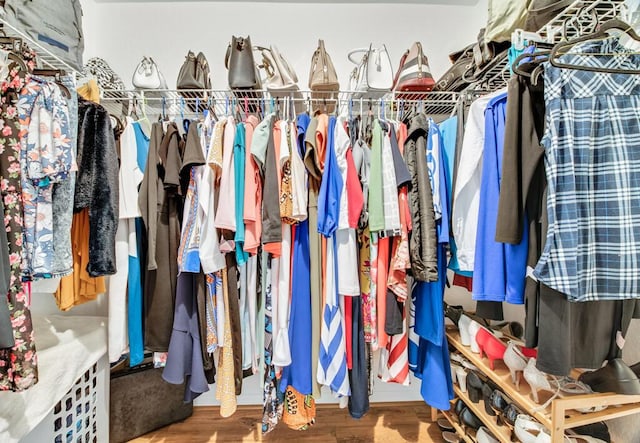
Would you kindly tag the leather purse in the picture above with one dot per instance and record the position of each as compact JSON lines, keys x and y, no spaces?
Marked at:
{"x":280,"y":75}
{"x":541,"y":12}
{"x":414,"y":73}
{"x":323,"y":80}
{"x":148,"y":76}
{"x":453,"y":80}
{"x":242,"y":70}
{"x":194,"y":73}
{"x":373,"y":75}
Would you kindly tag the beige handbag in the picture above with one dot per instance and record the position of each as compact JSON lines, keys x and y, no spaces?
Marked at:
{"x":280,"y":75}
{"x":505,"y":16}
{"x":282,"y":80}
{"x":323,"y":80}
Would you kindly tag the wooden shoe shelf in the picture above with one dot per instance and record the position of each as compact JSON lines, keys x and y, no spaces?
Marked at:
{"x":559,"y":417}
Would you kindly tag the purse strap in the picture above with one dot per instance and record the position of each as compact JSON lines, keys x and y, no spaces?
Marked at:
{"x":357,"y":51}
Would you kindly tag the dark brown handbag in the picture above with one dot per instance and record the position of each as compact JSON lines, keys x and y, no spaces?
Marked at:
{"x":454,"y":80}
{"x":243,"y":73}
{"x":194,"y":73}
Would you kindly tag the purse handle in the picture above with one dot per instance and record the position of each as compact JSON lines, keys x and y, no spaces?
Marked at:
{"x":357,"y":51}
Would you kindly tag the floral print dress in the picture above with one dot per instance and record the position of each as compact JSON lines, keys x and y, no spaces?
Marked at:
{"x":18,"y":368}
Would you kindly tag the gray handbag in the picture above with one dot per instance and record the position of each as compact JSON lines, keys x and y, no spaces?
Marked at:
{"x":243,"y":72}
{"x":56,"y":25}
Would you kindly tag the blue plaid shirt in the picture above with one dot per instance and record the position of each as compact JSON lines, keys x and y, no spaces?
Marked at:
{"x":592,"y":160}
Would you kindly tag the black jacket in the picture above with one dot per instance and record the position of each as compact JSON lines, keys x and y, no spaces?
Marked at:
{"x":423,"y":239}
{"x":97,"y":185}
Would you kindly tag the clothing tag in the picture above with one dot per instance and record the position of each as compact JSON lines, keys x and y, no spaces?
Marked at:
{"x":530,"y":274}
{"x":620,"y":339}
{"x":159,"y":359}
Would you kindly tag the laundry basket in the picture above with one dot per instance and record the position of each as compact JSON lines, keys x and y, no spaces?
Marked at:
{"x":81,"y":415}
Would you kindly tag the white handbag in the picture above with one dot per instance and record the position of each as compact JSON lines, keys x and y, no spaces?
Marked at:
{"x":373,"y":75}
{"x":148,"y":76}
{"x":280,"y":75}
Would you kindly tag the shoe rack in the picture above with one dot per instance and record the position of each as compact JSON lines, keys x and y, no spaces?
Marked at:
{"x":557,"y":418}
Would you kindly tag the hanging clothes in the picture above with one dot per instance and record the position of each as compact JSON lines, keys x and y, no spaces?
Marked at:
{"x":18,"y":364}
{"x":97,"y":185}
{"x":158,"y":201}
{"x":500,"y":269}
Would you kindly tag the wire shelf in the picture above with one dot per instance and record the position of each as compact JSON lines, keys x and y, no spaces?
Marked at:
{"x":174,"y":101}
{"x":576,"y":19}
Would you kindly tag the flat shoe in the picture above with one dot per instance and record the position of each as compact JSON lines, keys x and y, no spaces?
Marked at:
{"x":444,"y":425}
{"x":451,"y":437}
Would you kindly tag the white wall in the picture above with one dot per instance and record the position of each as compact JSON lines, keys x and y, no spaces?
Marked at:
{"x":122,"y":33}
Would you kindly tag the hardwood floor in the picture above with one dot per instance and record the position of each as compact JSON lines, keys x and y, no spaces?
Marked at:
{"x":385,"y":423}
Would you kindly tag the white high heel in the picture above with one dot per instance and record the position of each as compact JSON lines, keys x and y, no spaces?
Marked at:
{"x":463,"y":327}
{"x":474,"y":327}
{"x":528,"y":430}
{"x":461,"y":375}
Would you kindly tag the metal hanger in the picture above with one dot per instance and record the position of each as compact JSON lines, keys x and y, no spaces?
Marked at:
{"x":601,"y":33}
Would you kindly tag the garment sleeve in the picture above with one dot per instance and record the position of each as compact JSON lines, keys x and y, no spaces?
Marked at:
{"x":103,"y":212}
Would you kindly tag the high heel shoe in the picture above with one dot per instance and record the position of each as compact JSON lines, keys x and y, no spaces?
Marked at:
{"x":469,"y":419}
{"x":461,"y":375}
{"x":463,"y":327}
{"x":474,"y":386}
{"x":516,"y":358}
{"x":490,"y":345}
{"x":558,"y":386}
{"x":528,"y":430}
{"x":538,"y":381}
{"x":473,"y":329}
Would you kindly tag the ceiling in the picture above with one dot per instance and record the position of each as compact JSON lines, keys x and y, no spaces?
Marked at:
{"x":424,"y":2}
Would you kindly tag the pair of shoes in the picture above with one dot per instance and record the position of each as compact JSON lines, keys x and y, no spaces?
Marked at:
{"x":490,"y":345}
{"x":616,"y":376}
{"x":558,"y":386}
{"x":465,"y":416}
{"x":527,"y":430}
{"x":479,"y":386}
{"x":461,"y":361}
{"x":504,"y":408}
{"x":516,"y":358}
{"x":459,"y":375}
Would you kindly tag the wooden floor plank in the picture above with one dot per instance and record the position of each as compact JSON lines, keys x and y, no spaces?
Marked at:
{"x":384,"y":423}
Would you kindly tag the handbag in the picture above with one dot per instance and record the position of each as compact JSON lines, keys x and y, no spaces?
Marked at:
{"x":148,"y":76}
{"x":322,"y":75}
{"x":299,"y":412}
{"x":373,"y":75}
{"x":242,"y":70}
{"x":453,"y":80}
{"x":541,"y":12}
{"x":414,"y":73}
{"x":505,"y":16}
{"x":106,"y":77}
{"x":280,"y":75}
{"x":194,"y":73}
{"x":323,"y":80}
